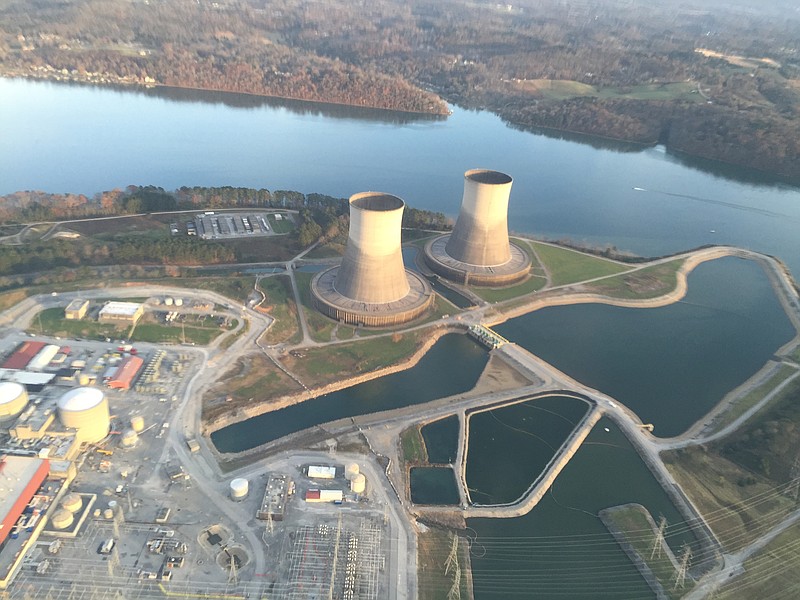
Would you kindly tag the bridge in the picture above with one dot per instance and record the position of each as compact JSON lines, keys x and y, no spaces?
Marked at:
{"x":487,"y":336}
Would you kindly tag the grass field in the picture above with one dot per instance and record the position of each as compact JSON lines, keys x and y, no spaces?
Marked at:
{"x":564,"y":89}
{"x":795,"y":355}
{"x":324,"y":365}
{"x":229,"y":340}
{"x":774,"y":572}
{"x":568,"y":266}
{"x":742,"y":405}
{"x":280,"y":305}
{"x":738,"y":505}
{"x":282,"y":225}
{"x":235,"y":287}
{"x":433,"y":548}
{"x":51,"y":321}
{"x":650,"y":282}
{"x":530,"y":285}
{"x":639,"y":533}
{"x":193,"y":332}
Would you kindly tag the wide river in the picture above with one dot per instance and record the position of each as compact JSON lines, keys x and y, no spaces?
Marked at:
{"x":74,"y":138}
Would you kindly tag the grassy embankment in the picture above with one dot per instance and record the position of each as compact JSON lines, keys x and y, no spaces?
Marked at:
{"x":535,"y":282}
{"x":639,"y":533}
{"x":741,"y":483}
{"x":413,"y":445}
{"x":433,"y":548}
{"x":567,"y":266}
{"x":280,"y":305}
{"x":564,"y":89}
{"x":650,"y":282}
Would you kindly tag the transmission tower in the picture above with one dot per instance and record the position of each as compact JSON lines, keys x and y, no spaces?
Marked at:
{"x":658,"y":542}
{"x":233,"y":576}
{"x":794,"y":487}
{"x":455,"y":589}
{"x":452,"y":558}
{"x":680,"y":577}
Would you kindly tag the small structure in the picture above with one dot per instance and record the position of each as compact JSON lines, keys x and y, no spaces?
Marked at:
{"x":358,"y":484}
{"x":324,"y":496}
{"x":121,"y":313}
{"x":273,"y":505}
{"x":129,"y":438}
{"x":126,"y":372}
{"x":62,"y":519}
{"x":72,"y":503}
{"x":76,"y":310}
{"x":137,"y":423}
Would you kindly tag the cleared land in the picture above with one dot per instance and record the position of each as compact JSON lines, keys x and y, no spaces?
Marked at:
{"x":236,"y":287}
{"x":564,"y":89}
{"x":280,"y":305}
{"x":568,"y":266}
{"x":433,"y":548}
{"x":282,"y":225}
{"x":772,"y":573}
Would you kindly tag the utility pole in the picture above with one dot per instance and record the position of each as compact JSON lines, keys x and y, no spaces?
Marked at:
{"x":658,"y":542}
{"x":680,"y":578}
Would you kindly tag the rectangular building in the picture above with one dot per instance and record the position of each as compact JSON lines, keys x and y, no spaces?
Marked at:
{"x":321,"y":472}
{"x":126,"y":372}
{"x":324,"y":495}
{"x":43,"y":357}
{"x":20,"y":478}
{"x":273,"y":505}
{"x":122,"y":313}
{"x":23,"y":355}
{"x":76,"y":309}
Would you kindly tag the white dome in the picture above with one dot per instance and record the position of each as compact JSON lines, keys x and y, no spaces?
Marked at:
{"x":82,"y":398}
{"x":239,"y":487}
{"x":10,"y":391}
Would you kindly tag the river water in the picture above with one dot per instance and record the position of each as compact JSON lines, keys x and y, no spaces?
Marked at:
{"x":75,"y":138}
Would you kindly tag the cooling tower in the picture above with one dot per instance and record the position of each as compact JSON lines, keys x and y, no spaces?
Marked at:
{"x":478,"y":251}
{"x":371,"y":287}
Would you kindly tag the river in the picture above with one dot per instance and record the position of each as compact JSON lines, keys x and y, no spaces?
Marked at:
{"x":77,"y":138}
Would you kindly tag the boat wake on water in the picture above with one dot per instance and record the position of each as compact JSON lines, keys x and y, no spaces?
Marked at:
{"x":742,"y":207}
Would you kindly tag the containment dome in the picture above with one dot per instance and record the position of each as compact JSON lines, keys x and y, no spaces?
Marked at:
{"x":13,"y":399}
{"x":86,"y":410}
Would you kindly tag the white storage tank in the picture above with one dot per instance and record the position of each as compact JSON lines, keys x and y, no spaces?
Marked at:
{"x":72,"y":502}
{"x":168,"y":301}
{"x":86,"y":410}
{"x":178,"y":301}
{"x":358,"y":484}
{"x":350,"y":471}
{"x":137,"y":423}
{"x":239,"y":488}
{"x":129,"y":438}
{"x":13,"y":399}
{"x":62,"y":519}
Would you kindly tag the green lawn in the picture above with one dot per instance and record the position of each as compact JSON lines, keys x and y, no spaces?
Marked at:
{"x":532,"y":284}
{"x":413,"y":445}
{"x":569,"y":266}
{"x":51,"y":321}
{"x":564,"y":89}
{"x":157,"y":333}
{"x":282,"y":225}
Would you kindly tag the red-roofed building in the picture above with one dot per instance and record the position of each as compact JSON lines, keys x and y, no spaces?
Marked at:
{"x":20,"y":479}
{"x":128,"y":370}
{"x":23,"y":355}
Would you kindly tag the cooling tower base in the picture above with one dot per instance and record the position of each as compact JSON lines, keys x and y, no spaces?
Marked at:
{"x":516,"y":269}
{"x":353,"y":312}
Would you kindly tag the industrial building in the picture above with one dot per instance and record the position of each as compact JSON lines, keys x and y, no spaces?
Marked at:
{"x":43,"y":358}
{"x":76,"y":309}
{"x":20,"y":479}
{"x":23,"y":354}
{"x":126,"y":372}
{"x":85,"y":410}
{"x":121,"y":313}
{"x":477,"y":251}
{"x":371,"y":287}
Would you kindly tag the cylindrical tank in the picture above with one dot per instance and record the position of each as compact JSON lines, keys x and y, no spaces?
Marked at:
{"x":13,"y":399}
{"x":129,"y":438}
{"x":108,"y":514}
{"x":96,"y":513}
{"x":168,"y":301}
{"x":350,"y":471}
{"x":178,"y":301}
{"x":86,"y":410}
{"x":372,"y":268}
{"x":480,"y":236}
{"x":137,"y":423}
{"x":62,"y":519}
{"x":83,"y":379}
{"x":72,"y":502}
{"x":358,"y":484}
{"x":239,"y":488}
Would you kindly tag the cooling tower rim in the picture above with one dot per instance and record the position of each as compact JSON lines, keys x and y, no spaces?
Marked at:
{"x":376,"y":201}
{"x":488,"y":177}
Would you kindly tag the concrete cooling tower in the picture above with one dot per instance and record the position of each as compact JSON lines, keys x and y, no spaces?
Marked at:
{"x":372,"y":287}
{"x":478,"y":252}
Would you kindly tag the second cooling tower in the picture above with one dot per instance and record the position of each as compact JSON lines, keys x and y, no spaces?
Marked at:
{"x":478,"y":251}
{"x":371,"y":287}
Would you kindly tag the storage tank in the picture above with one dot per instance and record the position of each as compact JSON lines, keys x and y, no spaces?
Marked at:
{"x":72,"y":502}
{"x":178,"y":301}
{"x":239,"y":488}
{"x":86,"y":410}
{"x":83,"y":379}
{"x":350,"y":471}
{"x":137,"y":423}
{"x":13,"y":399}
{"x":358,"y":484}
{"x":168,"y":301}
{"x":62,"y":519}
{"x":108,"y":514}
{"x":129,"y":438}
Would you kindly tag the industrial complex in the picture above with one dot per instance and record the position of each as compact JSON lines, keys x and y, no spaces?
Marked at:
{"x":372,"y":287}
{"x":478,"y":251}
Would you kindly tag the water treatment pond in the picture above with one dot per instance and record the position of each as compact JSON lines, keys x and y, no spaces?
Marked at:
{"x":670,"y":365}
{"x":510,"y":446}
{"x":433,"y":485}
{"x":451,"y":366}
{"x":441,"y":440}
{"x":561,"y":548}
